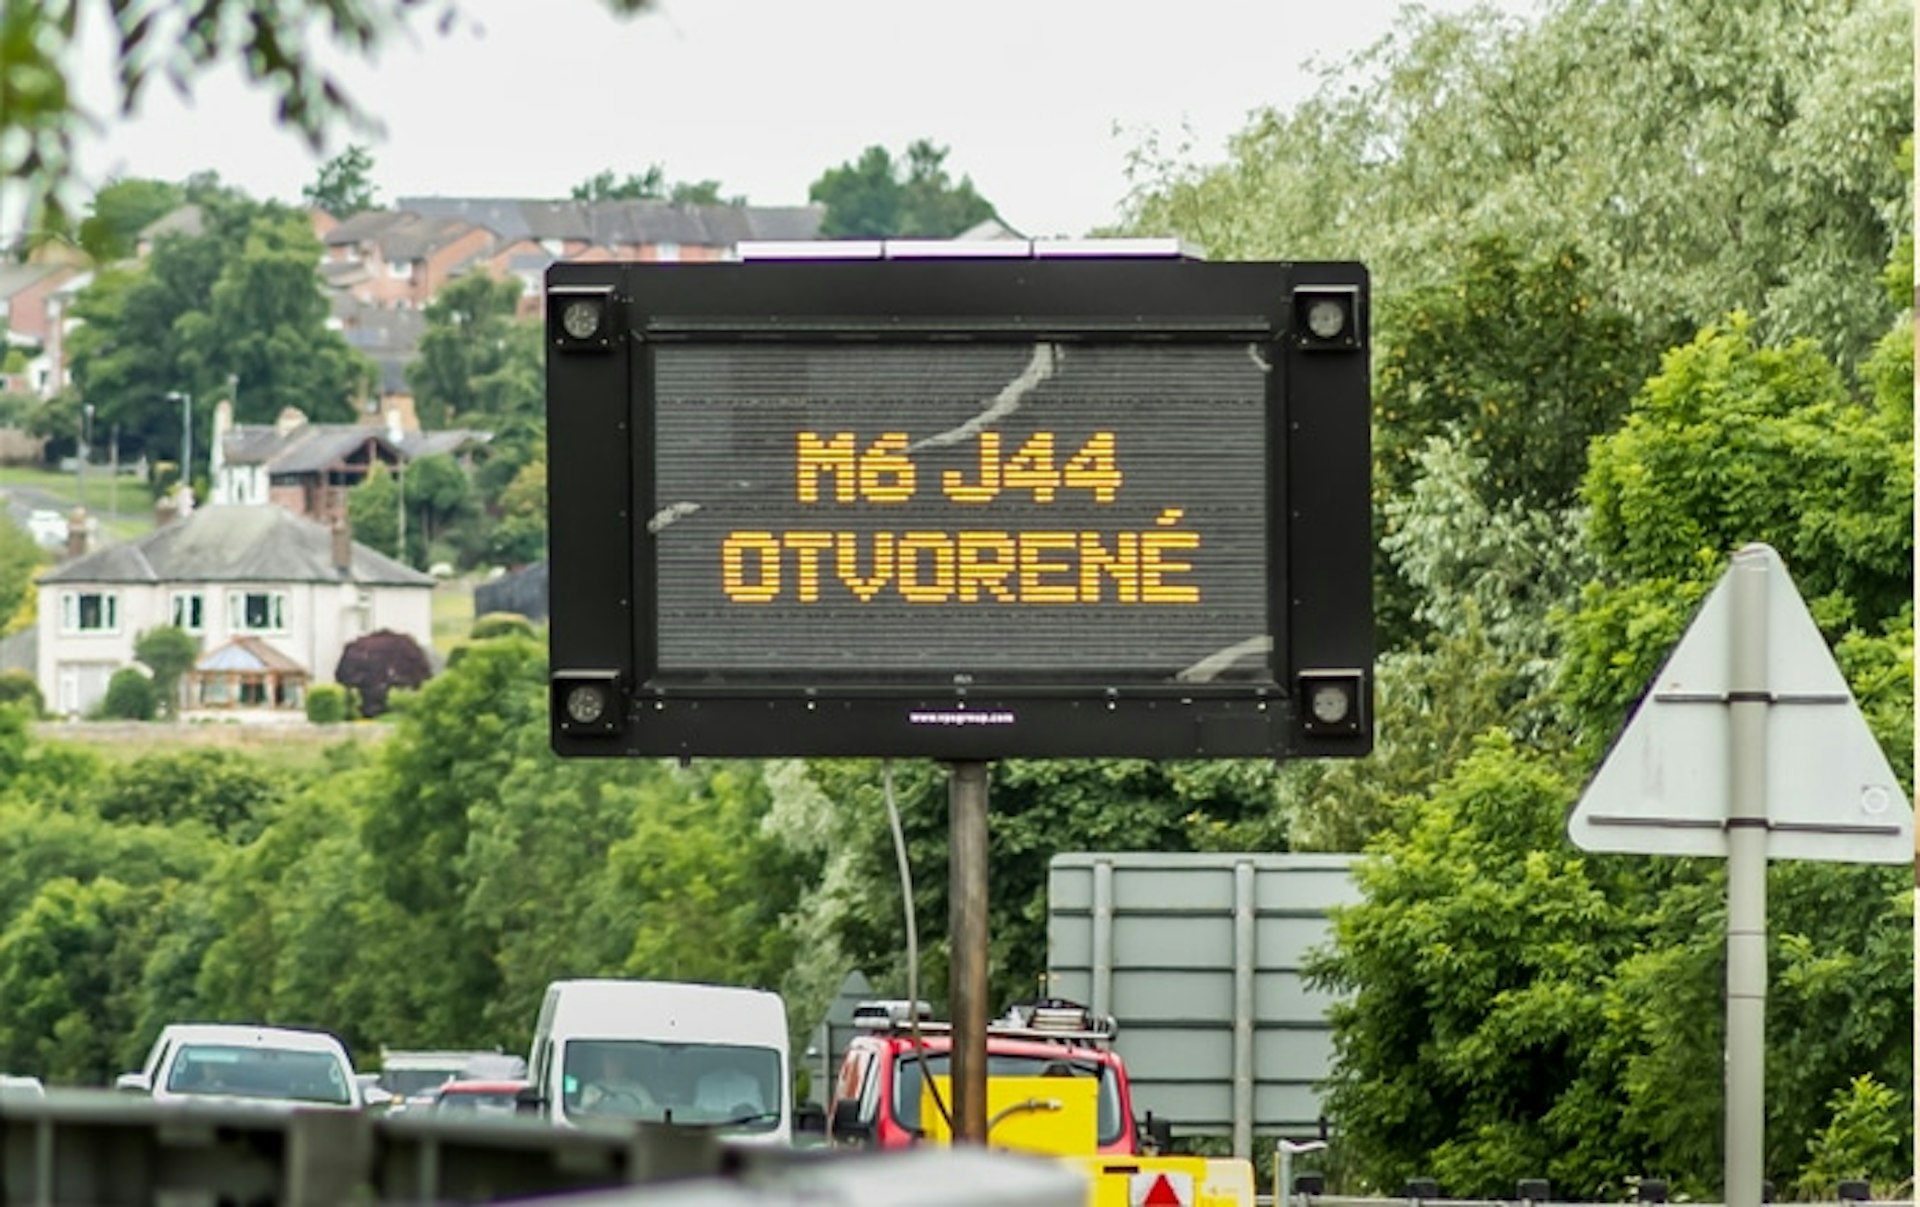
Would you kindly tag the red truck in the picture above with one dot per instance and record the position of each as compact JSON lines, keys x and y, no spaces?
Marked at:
{"x":1063,"y":1091}
{"x":879,"y":1090}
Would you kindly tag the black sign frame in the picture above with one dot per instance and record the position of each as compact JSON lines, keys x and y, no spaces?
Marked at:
{"x":608,"y":322}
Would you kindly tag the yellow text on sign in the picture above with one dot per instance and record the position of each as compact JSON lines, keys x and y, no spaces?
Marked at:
{"x":838,"y":469}
{"x":1030,"y":567}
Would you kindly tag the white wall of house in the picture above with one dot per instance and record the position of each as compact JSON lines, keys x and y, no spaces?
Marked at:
{"x":240,"y":484}
{"x":87,"y":631}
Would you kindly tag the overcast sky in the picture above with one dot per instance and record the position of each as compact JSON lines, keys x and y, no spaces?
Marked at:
{"x":1038,"y":101}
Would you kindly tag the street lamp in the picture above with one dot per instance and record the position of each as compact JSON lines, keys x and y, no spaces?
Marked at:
{"x":186,"y":434}
{"x":86,"y":448}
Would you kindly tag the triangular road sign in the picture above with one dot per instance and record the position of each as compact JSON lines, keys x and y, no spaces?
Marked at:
{"x":1665,"y":787}
{"x":1161,"y":1190}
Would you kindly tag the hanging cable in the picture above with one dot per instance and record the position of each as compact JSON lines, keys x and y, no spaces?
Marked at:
{"x":913,"y":951}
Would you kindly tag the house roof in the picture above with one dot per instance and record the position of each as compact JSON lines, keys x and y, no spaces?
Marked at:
{"x":312,"y":447}
{"x":17,"y":277}
{"x":236,"y":543}
{"x":248,"y":655}
{"x":401,"y":235}
{"x":186,"y":219}
{"x":367,"y":224}
{"x":626,"y":222}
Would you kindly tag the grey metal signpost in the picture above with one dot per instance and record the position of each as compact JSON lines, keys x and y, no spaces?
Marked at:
{"x":1749,"y":746}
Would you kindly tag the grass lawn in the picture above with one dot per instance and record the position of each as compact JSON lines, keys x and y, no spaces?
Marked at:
{"x":452,"y":613}
{"x":124,"y":507}
{"x":293,"y":746}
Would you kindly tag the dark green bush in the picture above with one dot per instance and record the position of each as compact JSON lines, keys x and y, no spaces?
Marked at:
{"x":18,"y":687}
{"x":501,"y":624}
{"x":130,"y":696}
{"x":327,"y":703}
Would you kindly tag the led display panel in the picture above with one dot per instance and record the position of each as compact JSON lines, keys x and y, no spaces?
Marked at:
{"x":1019,"y":511}
{"x":959,"y":509}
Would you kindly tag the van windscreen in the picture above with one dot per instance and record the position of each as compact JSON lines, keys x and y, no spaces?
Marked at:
{"x":731,"y":1086}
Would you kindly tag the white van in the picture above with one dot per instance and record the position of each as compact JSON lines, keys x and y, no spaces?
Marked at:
{"x":664,"y":1051}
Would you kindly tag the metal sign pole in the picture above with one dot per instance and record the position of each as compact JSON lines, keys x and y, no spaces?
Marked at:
{"x":1748,"y":698}
{"x":967,"y":974}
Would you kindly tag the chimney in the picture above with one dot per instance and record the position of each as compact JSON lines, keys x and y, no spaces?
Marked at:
{"x":342,"y":547}
{"x":217,"y":455}
{"x":77,"y":533}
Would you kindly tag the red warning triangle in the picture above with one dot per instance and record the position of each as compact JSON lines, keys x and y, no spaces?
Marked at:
{"x":1162,"y":1194}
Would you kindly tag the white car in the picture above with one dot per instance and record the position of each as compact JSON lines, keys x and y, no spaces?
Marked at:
{"x":241,"y":1063}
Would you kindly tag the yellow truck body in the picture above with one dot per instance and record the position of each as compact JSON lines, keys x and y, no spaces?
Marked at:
{"x":1059,"y":1116}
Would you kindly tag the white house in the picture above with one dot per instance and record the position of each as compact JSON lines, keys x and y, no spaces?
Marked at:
{"x":273,"y":599}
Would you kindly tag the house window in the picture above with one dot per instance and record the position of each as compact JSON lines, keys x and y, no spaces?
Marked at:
{"x":190,"y":611}
{"x":89,"y":612}
{"x":257,"y":611}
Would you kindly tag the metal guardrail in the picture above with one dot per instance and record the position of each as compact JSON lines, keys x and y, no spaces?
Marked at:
{"x":1337,"y":1200}
{"x":90,"y":1148}
{"x":99,"y":1149}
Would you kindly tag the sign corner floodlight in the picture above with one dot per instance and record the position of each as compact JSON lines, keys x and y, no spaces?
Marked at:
{"x":1333,"y":702}
{"x":1327,"y":317}
{"x":580,"y":319}
{"x":588,"y":703}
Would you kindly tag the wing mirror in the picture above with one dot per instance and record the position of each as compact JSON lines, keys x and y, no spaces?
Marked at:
{"x":529,"y":1101}
{"x":133,"y":1083}
{"x":846,"y":1126}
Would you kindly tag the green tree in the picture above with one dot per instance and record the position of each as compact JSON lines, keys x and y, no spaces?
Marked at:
{"x":43,"y":843}
{"x":1736,"y":441}
{"x":230,"y":793}
{"x":311,"y":957}
{"x":710,"y":888}
{"x":238,"y":306}
{"x":265,"y":330}
{"x":1703,"y":160}
{"x":468,"y":338}
{"x":543,"y":895}
{"x":21,"y":560}
{"x":877,"y":197}
{"x":169,"y":652}
{"x":373,"y":512}
{"x":1468,"y":979}
{"x":1517,"y":364}
{"x":1865,"y":1138}
{"x":70,"y":966}
{"x":520,"y":535}
{"x":650,"y":185}
{"x":439,"y":497}
{"x":19,"y":689}
{"x":1039,"y":808}
{"x":344,"y":186}
{"x":120,"y":211}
